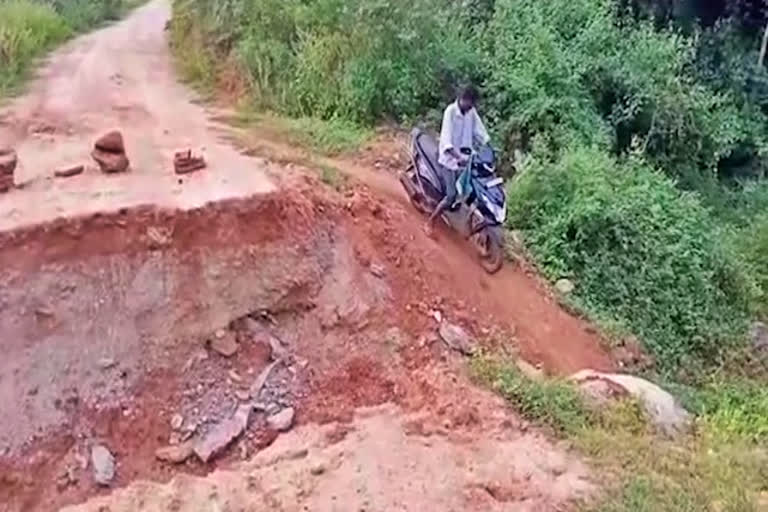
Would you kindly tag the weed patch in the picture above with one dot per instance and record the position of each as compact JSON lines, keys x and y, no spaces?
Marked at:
{"x":643,"y":471}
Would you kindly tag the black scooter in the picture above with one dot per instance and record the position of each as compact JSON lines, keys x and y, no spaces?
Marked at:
{"x":480,"y":208}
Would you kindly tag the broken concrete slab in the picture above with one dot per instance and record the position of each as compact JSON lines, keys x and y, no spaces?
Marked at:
{"x":222,"y":434}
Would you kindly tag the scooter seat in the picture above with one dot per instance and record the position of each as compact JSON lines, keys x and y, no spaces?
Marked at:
{"x":428,"y":148}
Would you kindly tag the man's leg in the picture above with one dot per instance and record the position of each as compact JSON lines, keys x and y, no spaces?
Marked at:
{"x":449,"y":184}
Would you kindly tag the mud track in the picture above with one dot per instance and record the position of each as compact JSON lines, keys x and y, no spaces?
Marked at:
{"x":115,"y":289}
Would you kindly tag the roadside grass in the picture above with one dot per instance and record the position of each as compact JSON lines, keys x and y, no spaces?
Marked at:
{"x":29,"y":29}
{"x":720,"y":467}
{"x":324,"y":137}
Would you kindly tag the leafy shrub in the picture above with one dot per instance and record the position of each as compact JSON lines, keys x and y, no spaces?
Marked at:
{"x":360,"y":60}
{"x":638,"y":249}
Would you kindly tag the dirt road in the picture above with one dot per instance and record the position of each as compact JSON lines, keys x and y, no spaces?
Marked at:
{"x":141,"y":310}
{"x":121,"y":77}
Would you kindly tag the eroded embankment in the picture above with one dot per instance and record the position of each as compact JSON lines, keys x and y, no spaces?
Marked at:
{"x":124,"y":289}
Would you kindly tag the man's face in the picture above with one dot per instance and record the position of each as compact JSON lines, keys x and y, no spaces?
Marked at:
{"x":465,"y":105}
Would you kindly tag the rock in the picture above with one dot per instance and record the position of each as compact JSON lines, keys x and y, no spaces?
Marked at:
{"x":528,"y":370}
{"x":662,"y":408}
{"x":377,"y":270}
{"x":225,"y":345}
{"x":564,"y":286}
{"x":66,"y":172}
{"x":103,"y":463}
{"x":242,"y":395}
{"x":105,"y":363}
{"x":258,"y":384}
{"x":111,"y":142}
{"x":8,"y":161}
{"x":177,"y":420}
{"x":110,"y":162}
{"x":758,"y":333}
{"x":282,"y":420}
{"x":222,"y":434}
{"x":175,"y":454}
{"x":456,"y":338}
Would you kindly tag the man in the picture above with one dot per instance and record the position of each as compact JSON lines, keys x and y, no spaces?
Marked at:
{"x":461,"y":129}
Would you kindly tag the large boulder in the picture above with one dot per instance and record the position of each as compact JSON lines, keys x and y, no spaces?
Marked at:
{"x":663,"y":409}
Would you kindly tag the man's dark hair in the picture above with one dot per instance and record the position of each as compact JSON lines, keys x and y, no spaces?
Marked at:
{"x":469,"y":93}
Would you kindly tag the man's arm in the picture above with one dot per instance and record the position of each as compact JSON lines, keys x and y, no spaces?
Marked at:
{"x":480,"y":134}
{"x":446,"y":135}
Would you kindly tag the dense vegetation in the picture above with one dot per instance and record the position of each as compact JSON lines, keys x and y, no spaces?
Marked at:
{"x":642,"y":122}
{"x":29,"y":28}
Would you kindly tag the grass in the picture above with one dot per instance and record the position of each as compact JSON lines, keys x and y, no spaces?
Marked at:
{"x":29,"y":29}
{"x":719,"y":467}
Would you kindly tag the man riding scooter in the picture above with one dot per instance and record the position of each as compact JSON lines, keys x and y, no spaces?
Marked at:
{"x":461,"y":130}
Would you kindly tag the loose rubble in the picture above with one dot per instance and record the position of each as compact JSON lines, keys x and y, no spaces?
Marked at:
{"x":456,"y":338}
{"x":103,"y":463}
{"x":109,"y":153}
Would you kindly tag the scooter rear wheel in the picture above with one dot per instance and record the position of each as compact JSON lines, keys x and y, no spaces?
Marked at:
{"x":490,"y":247}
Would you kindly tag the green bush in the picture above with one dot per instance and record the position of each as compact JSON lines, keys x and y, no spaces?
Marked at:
{"x":360,"y":60}
{"x":639,"y":250}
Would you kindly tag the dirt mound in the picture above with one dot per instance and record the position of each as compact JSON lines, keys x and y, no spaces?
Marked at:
{"x":380,"y":464}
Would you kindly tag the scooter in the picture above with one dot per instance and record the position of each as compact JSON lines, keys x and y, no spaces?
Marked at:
{"x":480,"y":208}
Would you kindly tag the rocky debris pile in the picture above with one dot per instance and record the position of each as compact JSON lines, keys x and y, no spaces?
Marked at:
{"x":103,"y":463}
{"x":109,"y":153}
{"x":184,"y":162}
{"x":8,"y":161}
{"x":227,"y":402}
{"x":662,"y":408}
